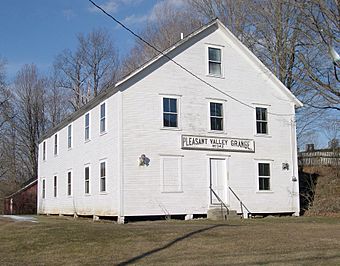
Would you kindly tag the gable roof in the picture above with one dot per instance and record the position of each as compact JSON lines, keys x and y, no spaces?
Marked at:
{"x":112,"y":90}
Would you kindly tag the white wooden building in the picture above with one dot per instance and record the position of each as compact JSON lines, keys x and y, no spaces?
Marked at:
{"x":156,"y":142}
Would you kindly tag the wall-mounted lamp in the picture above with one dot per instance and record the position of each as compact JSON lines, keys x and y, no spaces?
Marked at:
{"x":143,"y":160}
{"x":285,"y":166}
{"x":294,"y":179}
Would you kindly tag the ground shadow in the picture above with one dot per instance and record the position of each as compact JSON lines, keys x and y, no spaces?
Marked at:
{"x":307,"y":187}
{"x":153,"y":251}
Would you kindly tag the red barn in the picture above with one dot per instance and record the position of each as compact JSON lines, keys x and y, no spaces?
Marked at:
{"x":23,"y":201}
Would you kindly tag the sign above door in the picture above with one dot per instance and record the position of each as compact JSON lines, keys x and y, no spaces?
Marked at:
{"x":190,"y":142}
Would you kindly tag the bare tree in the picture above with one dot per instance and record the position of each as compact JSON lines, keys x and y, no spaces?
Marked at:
{"x":71,"y":75}
{"x":30,"y":121}
{"x":162,"y":31}
{"x":99,"y":58}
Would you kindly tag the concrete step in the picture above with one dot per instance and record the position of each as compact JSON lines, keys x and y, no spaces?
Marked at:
{"x":216,"y":214}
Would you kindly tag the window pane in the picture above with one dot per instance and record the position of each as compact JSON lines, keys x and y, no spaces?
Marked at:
{"x":102,"y":184}
{"x":102,"y":110}
{"x":214,"y":54}
{"x":102,"y":125}
{"x":173,"y":105}
{"x":264,"y":169}
{"x":166,"y":105}
{"x":87,"y":120}
{"x":102,"y":169}
{"x":216,"y":123}
{"x":261,"y":114}
{"x":264,"y":183}
{"x":261,"y":127}
{"x":215,"y":68}
{"x":216,"y":109}
{"x":170,"y":120}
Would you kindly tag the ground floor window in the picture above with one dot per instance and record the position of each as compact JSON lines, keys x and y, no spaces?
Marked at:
{"x":87,"y":180}
{"x":171,"y":173}
{"x":102,"y":176}
{"x":55,"y":186}
{"x":69,"y":183}
{"x":264,"y":176}
{"x":43,"y":188}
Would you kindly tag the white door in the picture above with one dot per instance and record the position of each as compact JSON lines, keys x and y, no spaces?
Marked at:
{"x":218,"y":180}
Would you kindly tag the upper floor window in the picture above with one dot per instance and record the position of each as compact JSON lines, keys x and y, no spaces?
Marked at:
{"x":44,"y":150}
{"x":216,"y":116}
{"x":102,"y":176}
{"x":261,"y":120}
{"x":87,"y":180}
{"x":87,"y":126}
{"x":215,"y":61}
{"x":170,"y":112}
{"x":56,"y":144}
{"x":69,"y":136}
{"x":264,"y":176}
{"x":102,"y":118}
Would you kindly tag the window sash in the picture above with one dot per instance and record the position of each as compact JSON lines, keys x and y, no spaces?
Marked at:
{"x":170,"y":112}
{"x":87,"y":180}
{"x":261,"y":120}
{"x":102,"y":177}
{"x":43,"y":188}
{"x":69,"y":136}
{"x":215,"y":61}
{"x":216,"y":116}
{"x":87,"y":126}
{"x":44,"y":150}
{"x":55,"y":144}
{"x":264,"y":176}
{"x":69,"y":183}
{"x":55,"y":186}
{"x":102,"y":118}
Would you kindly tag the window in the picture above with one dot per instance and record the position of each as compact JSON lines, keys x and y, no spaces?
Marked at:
{"x":102,"y":118}
{"x":214,"y":61}
{"x":44,"y":150}
{"x":87,"y":180}
{"x":55,"y":186}
{"x":170,"y":114}
{"x":56,"y":144}
{"x":69,"y":136}
{"x":69,"y":183}
{"x":102,"y":176}
{"x":43,"y":188}
{"x":216,"y":116}
{"x":261,"y":120}
{"x":264,"y":176}
{"x":87,"y":126}
{"x":171,"y":173}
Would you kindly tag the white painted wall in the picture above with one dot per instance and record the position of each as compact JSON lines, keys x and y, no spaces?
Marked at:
{"x":99,"y":147}
{"x":134,"y":120}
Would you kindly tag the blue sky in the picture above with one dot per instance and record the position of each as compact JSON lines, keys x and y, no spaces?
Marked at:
{"x":38,"y":30}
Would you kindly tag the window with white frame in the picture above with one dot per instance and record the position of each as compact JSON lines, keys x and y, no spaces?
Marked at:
{"x":43,"y":189}
{"x":216,"y":116}
{"x":69,"y":136}
{"x":102,"y":118}
{"x":215,"y":61}
{"x":44,"y":151}
{"x":264,"y":176}
{"x":55,"y":186}
{"x":87,"y":126}
{"x":69,"y":183}
{"x":171,"y":173}
{"x":261,"y":120}
{"x":56,"y":144}
{"x":102,"y":176}
{"x":170,"y":112}
{"x":87,"y":180}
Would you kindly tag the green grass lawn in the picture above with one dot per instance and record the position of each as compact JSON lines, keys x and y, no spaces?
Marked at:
{"x":272,"y":241}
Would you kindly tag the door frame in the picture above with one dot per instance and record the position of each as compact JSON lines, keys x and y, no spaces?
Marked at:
{"x":226,"y":198}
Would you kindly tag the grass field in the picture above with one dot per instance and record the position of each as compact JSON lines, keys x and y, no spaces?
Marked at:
{"x":272,"y":241}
